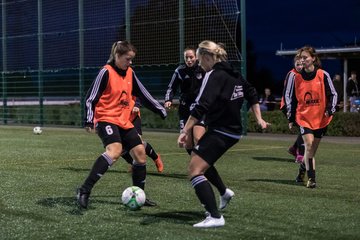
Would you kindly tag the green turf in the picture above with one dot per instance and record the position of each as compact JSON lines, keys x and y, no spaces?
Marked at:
{"x":39,"y":175}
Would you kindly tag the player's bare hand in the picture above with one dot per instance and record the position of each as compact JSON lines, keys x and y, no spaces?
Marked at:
{"x":263,"y":124}
{"x":167,"y":104}
{"x":89,"y":129}
{"x":135,"y":110}
{"x":182,"y":139}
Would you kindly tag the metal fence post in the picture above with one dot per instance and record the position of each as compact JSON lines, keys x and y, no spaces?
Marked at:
{"x":181,"y":31}
{"x":81,"y":58}
{"x":40,"y":64}
{"x":4,"y":59}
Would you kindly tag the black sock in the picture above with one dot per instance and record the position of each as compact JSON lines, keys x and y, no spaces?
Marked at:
{"x":150,"y":151}
{"x":311,"y":171}
{"x":99,"y":168}
{"x":214,"y":178}
{"x":300,"y":145}
{"x":302,"y":167}
{"x":205,"y":194}
{"x":139,"y":175}
{"x":126,"y":155}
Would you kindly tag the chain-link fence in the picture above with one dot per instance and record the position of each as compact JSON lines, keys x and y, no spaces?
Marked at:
{"x":52,"y":50}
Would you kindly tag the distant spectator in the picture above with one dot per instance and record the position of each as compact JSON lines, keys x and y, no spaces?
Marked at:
{"x":339,"y":89}
{"x":267,"y":101}
{"x":352,"y":90}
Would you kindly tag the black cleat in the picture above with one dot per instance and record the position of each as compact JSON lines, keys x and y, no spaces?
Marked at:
{"x":82,"y":197}
{"x":149,"y":203}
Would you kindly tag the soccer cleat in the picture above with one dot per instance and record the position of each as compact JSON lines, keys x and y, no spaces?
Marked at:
{"x":311,"y":183}
{"x":292,"y":151}
{"x":82,"y":197}
{"x":210,"y":222}
{"x":149,"y":203}
{"x":225,"y":199}
{"x":159,"y":164}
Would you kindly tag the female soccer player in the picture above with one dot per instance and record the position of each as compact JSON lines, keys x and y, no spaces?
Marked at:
{"x":310,"y":99}
{"x":221,"y":96}
{"x":188,"y":77}
{"x":109,"y":103}
{"x":297,"y":149}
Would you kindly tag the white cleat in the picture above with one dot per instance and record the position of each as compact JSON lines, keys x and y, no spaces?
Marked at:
{"x":225,"y":199}
{"x":210,"y":222}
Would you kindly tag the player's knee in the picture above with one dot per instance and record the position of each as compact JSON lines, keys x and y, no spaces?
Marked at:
{"x":139,"y":154}
{"x":194,"y":170}
{"x":114,"y":151}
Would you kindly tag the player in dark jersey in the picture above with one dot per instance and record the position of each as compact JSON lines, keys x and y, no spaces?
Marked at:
{"x":220,"y":99}
{"x":187,"y":78}
{"x":109,"y":103}
{"x":310,"y":99}
{"x":298,"y":148}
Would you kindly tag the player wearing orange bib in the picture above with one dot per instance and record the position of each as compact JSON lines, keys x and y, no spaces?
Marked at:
{"x":109,"y":105}
{"x":310,"y":99}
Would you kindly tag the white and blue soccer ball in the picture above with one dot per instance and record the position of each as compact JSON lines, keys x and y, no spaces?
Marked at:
{"x":133,"y":198}
{"x":37,"y":130}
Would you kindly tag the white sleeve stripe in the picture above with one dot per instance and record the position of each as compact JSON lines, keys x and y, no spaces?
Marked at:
{"x":94,"y":92}
{"x":289,"y":91}
{"x":333,"y":91}
{"x":170,"y":86}
{"x":148,"y":95}
{"x":204,"y":82}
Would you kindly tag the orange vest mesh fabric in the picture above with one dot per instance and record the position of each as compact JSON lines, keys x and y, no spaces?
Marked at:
{"x":116,"y":103}
{"x":312,"y":102}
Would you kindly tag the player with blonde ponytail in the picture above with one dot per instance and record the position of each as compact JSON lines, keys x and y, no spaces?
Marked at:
{"x":220,"y":99}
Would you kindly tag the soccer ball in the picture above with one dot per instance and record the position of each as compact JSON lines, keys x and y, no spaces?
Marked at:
{"x":37,"y":130}
{"x":133,"y":198}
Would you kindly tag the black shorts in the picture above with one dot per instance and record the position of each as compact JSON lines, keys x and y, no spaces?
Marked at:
{"x":201,"y":122}
{"x":213,"y":145}
{"x":110,"y":133}
{"x":184,"y":113}
{"x":318,"y":133}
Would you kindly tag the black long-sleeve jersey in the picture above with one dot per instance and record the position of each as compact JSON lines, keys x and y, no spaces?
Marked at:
{"x":221,"y":97}
{"x":99,"y":84}
{"x":189,"y":80}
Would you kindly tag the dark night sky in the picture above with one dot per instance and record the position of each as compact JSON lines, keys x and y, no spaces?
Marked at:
{"x":293,"y":24}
